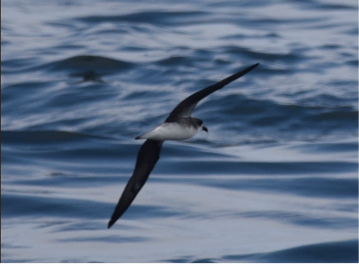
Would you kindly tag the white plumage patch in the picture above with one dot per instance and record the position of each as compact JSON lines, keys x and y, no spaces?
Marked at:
{"x":171,"y":131}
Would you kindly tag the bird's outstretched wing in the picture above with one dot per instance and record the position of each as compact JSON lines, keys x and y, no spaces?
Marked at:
{"x":146,"y":161}
{"x":185,"y":108}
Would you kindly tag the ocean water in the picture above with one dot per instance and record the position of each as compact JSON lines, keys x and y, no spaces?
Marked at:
{"x":274,"y":180}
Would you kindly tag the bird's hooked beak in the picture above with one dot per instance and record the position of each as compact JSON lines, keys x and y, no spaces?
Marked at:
{"x":205,"y":128}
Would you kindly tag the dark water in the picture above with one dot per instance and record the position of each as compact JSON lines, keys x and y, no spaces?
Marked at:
{"x":274,"y":180}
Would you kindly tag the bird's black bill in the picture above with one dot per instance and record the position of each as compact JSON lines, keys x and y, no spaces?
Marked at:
{"x":205,"y":129}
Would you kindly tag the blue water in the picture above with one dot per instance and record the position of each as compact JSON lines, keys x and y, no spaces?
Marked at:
{"x":274,"y":180}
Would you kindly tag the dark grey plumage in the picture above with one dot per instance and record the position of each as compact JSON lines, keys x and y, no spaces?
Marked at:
{"x":146,"y":160}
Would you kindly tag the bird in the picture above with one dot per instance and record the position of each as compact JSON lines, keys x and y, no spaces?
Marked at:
{"x":179,"y":125}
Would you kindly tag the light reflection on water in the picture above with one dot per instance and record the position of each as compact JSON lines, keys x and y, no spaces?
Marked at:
{"x":274,"y":180}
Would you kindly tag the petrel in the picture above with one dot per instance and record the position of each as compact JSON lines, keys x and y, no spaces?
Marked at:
{"x":179,"y":125}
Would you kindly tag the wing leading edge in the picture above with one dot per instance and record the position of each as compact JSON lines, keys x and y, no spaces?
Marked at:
{"x":185,"y":108}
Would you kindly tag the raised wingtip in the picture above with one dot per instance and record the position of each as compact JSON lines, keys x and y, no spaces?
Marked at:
{"x":243,"y":72}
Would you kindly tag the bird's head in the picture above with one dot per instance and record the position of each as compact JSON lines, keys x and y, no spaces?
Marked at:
{"x":200,"y":124}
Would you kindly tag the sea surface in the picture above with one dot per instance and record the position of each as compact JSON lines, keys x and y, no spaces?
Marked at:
{"x":274,"y":180}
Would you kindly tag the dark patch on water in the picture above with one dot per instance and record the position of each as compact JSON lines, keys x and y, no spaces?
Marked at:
{"x":343,"y":251}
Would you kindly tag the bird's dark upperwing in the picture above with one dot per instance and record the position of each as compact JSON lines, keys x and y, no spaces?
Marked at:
{"x":146,"y":161}
{"x":185,"y":108}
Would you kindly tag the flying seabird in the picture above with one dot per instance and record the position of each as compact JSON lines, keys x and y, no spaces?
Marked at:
{"x":179,"y":125}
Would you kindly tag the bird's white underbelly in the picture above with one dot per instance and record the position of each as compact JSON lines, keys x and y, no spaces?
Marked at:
{"x":170,"y":131}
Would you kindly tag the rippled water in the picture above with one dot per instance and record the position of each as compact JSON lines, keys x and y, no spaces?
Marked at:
{"x":274,"y":180}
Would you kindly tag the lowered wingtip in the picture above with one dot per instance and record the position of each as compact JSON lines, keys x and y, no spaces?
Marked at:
{"x":110,"y":223}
